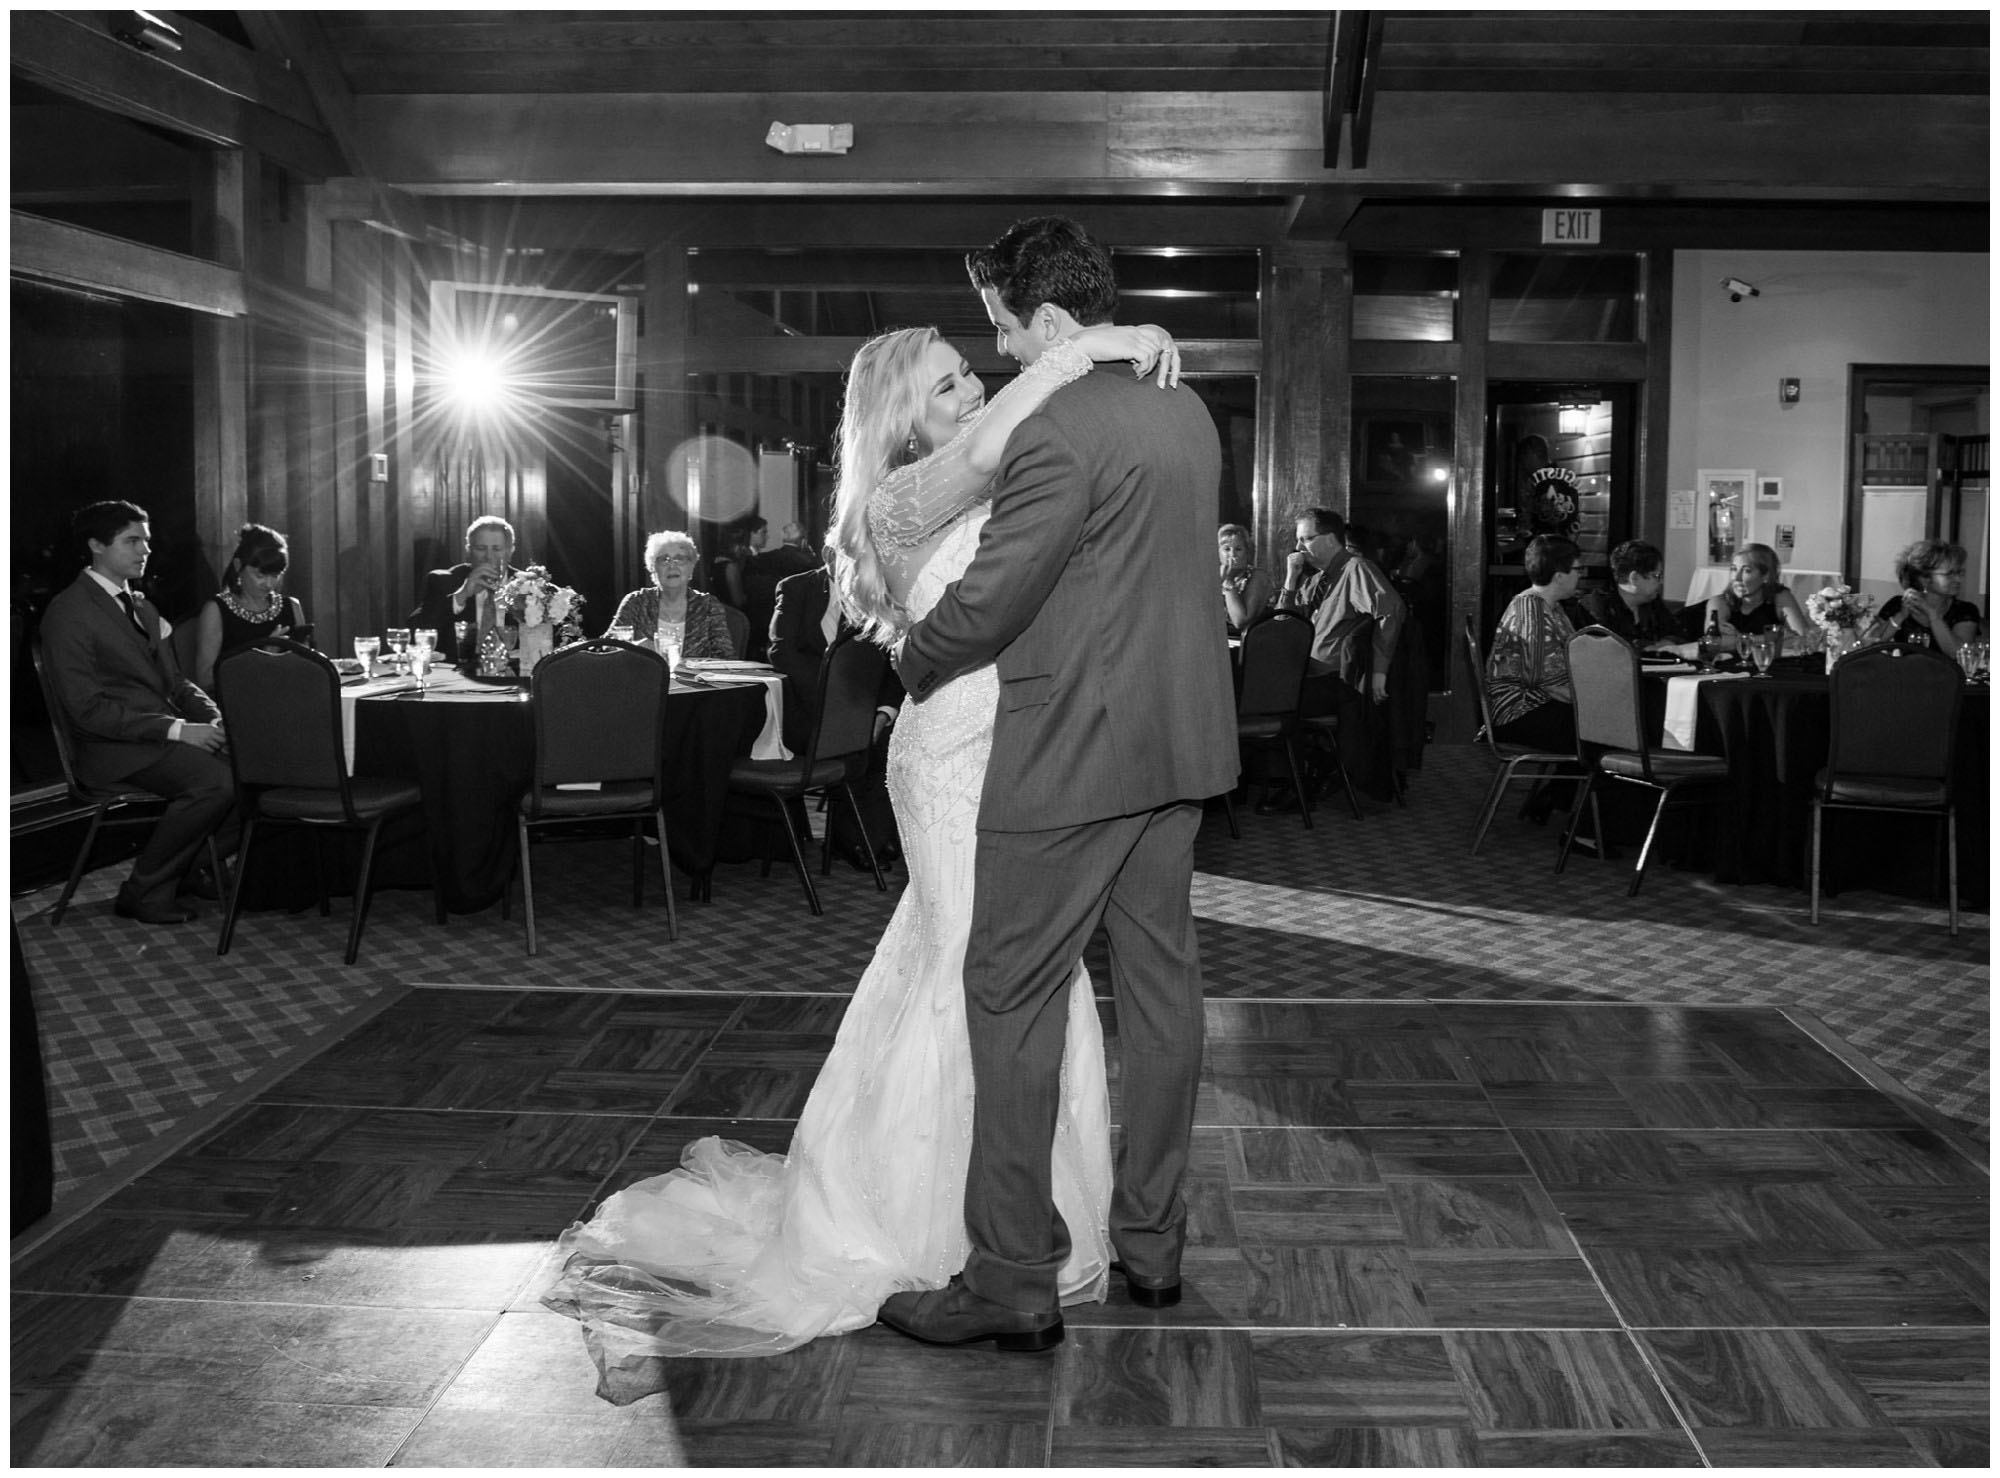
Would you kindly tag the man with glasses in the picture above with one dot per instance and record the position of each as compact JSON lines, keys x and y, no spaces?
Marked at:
{"x":1633,"y":608}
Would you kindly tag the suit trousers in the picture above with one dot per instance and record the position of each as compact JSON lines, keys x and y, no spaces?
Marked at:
{"x":200,"y":793}
{"x":1037,"y":898}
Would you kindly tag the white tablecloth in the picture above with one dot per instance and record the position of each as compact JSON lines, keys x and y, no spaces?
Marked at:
{"x":373,"y":688}
{"x":1684,"y":703}
{"x":1710,"y":578}
{"x":770,"y":743}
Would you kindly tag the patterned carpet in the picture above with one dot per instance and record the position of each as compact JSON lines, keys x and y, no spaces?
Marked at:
{"x":150,"y":1036}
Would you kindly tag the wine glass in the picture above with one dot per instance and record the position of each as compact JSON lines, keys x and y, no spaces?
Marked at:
{"x":1763,"y":652}
{"x":365,"y":648}
{"x":1972,"y":658}
{"x":399,"y":643}
{"x":423,"y":642}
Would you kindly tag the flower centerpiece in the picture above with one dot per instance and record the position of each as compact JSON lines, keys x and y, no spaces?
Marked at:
{"x":531,"y":601}
{"x":1839,"y":612}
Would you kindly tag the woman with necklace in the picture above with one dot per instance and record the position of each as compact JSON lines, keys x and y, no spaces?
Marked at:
{"x":249,"y":608}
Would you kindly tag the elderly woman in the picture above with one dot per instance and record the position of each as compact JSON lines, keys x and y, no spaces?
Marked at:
{"x":669,"y":603}
{"x":1755,"y":599}
{"x":250,"y":606}
{"x":1246,"y":590}
{"x":1931,"y":573}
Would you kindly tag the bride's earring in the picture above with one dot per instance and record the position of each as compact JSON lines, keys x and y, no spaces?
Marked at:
{"x":910,"y":446}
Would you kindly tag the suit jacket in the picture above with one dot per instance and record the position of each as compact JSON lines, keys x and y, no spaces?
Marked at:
{"x":1093,"y":592}
{"x":120,"y":691}
{"x":798,"y":646}
{"x":434,"y":611}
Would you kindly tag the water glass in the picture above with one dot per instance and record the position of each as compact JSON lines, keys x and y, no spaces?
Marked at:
{"x":365,"y":648}
{"x":1763,"y":646}
{"x":399,"y":643}
{"x":619,"y":633}
{"x":423,"y":643}
{"x":668,"y":644}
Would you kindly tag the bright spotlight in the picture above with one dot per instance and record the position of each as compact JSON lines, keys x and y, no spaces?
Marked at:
{"x":475,"y":382}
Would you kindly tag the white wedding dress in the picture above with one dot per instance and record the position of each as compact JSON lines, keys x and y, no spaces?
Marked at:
{"x":746,"y":1253}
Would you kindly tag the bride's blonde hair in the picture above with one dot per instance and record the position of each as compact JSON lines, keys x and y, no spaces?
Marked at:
{"x":879,"y":432}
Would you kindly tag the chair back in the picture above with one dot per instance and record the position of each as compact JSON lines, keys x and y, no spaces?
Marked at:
{"x":850,"y":681}
{"x":58,"y":720}
{"x":1276,"y":650}
{"x":1895,"y":714}
{"x":280,"y":704}
{"x":739,"y":628}
{"x":599,"y":707}
{"x":1604,"y":675}
{"x":1478,"y":660}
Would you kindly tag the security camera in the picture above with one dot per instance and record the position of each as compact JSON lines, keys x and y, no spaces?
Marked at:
{"x":1738,"y":289}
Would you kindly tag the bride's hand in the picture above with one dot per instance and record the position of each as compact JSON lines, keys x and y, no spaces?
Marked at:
{"x":1148,"y":347}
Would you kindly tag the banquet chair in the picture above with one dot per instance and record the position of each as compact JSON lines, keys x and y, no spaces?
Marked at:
{"x":599,"y":709}
{"x":1548,"y":764}
{"x":110,"y":810}
{"x":1275,"y":650}
{"x":1611,"y":736}
{"x":836,"y":754}
{"x":739,"y":629}
{"x":1893,"y":746}
{"x":280,"y":704}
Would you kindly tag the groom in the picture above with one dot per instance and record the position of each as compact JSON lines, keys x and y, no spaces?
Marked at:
{"x":1115,"y":722}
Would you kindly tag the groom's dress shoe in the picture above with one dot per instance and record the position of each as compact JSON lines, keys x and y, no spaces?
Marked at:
{"x":955,"y":1315}
{"x":1150,"y":1292}
{"x":150,"y":913}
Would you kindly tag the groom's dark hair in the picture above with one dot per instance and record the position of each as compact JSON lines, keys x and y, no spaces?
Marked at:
{"x":1048,"y":259}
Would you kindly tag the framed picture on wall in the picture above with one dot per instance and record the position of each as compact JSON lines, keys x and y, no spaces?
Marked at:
{"x":1726,"y":495}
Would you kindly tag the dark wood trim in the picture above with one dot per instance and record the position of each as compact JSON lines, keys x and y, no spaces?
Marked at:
{"x":830,"y":354}
{"x":1654,"y":410}
{"x":51,"y":251}
{"x":1510,"y":361}
{"x":666,"y":409}
{"x":1366,"y":85}
{"x":1343,"y":65}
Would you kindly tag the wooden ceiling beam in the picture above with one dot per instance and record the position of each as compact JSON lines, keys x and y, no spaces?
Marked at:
{"x":1059,"y":145}
{"x":634,"y":225}
{"x":74,"y":56}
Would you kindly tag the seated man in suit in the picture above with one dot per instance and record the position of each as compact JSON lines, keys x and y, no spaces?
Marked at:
{"x":464,"y":592}
{"x":137,"y":722}
{"x":803,"y":625}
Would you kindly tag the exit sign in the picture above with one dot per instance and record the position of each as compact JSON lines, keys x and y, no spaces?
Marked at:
{"x":1572,"y":227}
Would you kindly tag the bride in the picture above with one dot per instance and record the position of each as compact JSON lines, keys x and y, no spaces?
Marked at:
{"x":739,"y":1252}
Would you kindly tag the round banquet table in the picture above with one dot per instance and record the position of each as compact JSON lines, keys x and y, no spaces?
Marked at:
{"x":1774,"y":733}
{"x":473,"y":752}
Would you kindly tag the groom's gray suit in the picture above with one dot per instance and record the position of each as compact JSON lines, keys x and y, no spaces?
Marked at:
{"x":1093,"y":590}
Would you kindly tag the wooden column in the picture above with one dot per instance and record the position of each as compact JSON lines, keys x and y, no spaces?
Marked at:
{"x":1302,"y":399}
{"x":666,"y":412}
{"x":1459,"y":718}
{"x":224,"y":210}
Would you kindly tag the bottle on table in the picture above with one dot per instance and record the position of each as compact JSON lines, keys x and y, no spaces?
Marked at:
{"x":1711,"y":642}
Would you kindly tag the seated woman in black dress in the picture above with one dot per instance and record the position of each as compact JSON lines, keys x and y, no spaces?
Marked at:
{"x":1931,"y":573}
{"x":1756,"y":600}
{"x":249,"y":608}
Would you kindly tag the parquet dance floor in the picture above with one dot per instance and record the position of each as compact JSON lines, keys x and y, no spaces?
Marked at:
{"x":1427,"y":1229}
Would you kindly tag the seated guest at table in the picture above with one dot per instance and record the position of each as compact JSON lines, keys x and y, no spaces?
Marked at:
{"x":804,"y":623}
{"x":1633,"y":608}
{"x":1931,"y":573}
{"x":670,"y":602}
{"x":1246,"y":590}
{"x":464,"y":592}
{"x":1527,"y":672}
{"x":137,"y":722}
{"x":249,"y":607}
{"x":1348,"y":598}
{"x":1755,"y":599}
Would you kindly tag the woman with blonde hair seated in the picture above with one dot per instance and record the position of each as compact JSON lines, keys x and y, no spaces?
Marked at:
{"x":1931,"y":573}
{"x":671,"y":604}
{"x":1246,"y":590}
{"x":1755,"y":600}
